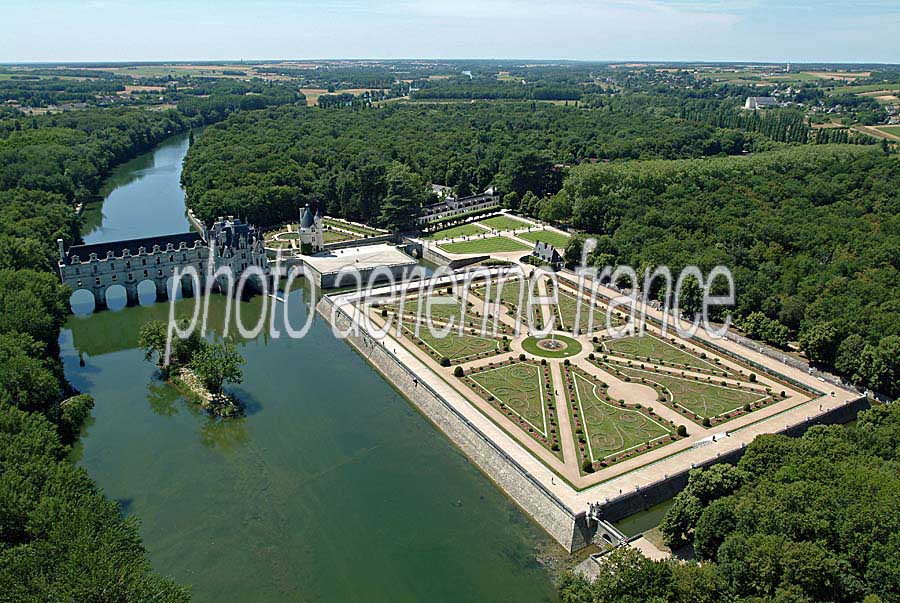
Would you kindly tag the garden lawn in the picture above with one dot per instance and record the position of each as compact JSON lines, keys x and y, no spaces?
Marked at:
{"x":442,"y":308}
{"x":487,"y":245}
{"x":454,"y":346}
{"x":610,"y":429}
{"x":463,"y":230}
{"x":701,"y":398}
{"x":520,"y":387}
{"x":646,"y":345}
{"x":504,"y":223}
{"x":565,"y":314}
{"x":509,"y":294}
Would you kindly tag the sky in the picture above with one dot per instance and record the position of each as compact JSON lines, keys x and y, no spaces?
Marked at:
{"x":637,"y":30}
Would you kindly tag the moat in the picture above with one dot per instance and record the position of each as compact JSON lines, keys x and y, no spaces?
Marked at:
{"x":331,"y":488}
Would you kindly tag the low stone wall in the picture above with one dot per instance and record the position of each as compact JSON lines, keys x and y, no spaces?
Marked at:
{"x":433,"y":254}
{"x":567,"y":528}
{"x":385,"y":238}
{"x":640,"y":500}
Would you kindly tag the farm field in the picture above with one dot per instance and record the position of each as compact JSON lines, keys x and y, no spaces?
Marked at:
{"x":609,"y":429}
{"x":892,"y":130}
{"x":556,"y":239}
{"x":863,"y":89}
{"x":486,"y":245}
{"x":504,"y":223}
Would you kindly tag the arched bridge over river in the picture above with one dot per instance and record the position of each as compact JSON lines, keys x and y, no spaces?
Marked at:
{"x":232,"y":245}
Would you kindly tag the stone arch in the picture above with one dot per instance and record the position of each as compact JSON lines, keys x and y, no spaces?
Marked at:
{"x":146,"y":292}
{"x":116,"y":296}
{"x":174,"y":288}
{"x":81,"y":302}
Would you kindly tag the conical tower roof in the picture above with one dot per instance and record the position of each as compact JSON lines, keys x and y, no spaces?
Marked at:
{"x":306,"y":218}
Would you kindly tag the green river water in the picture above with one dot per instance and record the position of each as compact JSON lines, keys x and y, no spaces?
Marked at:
{"x":332,"y":488}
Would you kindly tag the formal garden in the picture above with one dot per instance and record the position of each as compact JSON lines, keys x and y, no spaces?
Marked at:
{"x":523,"y":390}
{"x":700,"y":399}
{"x":653,"y":349}
{"x":608,"y":431}
{"x":453,"y":347}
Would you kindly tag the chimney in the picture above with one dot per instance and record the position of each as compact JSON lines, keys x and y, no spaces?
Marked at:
{"x":62,"y":252}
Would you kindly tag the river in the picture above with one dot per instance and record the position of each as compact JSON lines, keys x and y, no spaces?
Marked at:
{"x":332,"y":488}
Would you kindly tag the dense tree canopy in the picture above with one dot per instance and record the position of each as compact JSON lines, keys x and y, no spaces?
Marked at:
{"x":263,"y":164}
{"x":811,"y":233}
{"x":811,"y":519}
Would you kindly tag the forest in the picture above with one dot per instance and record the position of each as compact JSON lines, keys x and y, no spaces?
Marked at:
{"x":811,"y":234}
{"x":800,"y":520}
{"x":262,"y":165}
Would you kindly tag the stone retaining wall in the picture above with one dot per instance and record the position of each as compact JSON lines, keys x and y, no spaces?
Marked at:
{"x":569,"y":529}
{"x":648,"y":496}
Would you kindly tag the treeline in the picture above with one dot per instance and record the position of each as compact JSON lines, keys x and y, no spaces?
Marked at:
{"x":782,"y":125}
{"x":841,"y":136}
{"x":463,"y":88}
{"x":810,"y":233}
{"x":338,"y":77}
{"x":69,"y":153}
{"x":219,"y":106}
{"x":44,"y":92}
{"x":60,"y":538}
{"x":811,"y":519}
{"x":263,"y":165}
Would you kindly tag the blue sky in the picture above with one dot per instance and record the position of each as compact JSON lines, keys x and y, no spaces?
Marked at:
{"x":691,"y":30}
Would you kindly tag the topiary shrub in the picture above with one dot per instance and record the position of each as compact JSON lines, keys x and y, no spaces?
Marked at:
{"x":587,"y":466}
{"x":458,"y":372}
{"x":445,"y":361}
{"x":707,"y":422}
{"x":681,"y":431}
